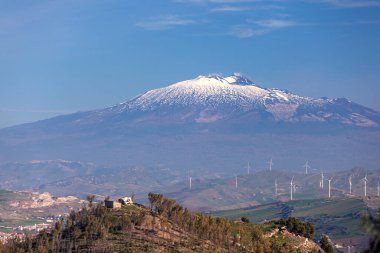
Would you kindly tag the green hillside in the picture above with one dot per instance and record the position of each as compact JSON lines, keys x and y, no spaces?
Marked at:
{"x":339,"y":218}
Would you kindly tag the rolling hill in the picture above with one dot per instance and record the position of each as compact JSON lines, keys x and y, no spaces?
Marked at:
{"x":166,"y":227}
{"x":339,"y":218}
{"x":210,"y":191}
{"x":258,"y":188}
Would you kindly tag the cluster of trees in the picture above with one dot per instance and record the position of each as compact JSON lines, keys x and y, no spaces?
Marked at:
{"x":298,"y":227}
{"x":203,"y":226}
{"x":220,"y":231}
{"x":244,"y":219}
{"x":325,"y":244}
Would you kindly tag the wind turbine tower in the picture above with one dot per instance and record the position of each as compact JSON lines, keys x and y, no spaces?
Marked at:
{"x":275,"y":186}
{"x":350,"y":182}
{"x":291,"y":189}
{"x":378,"y":188}
{"x":365,"y":185}
{"x":248,"y":168}
{"x":236,"y":181}
{"x":307,"y":167}
{"x":322,"y":178}
{"x":270,"y":164}
{"x":329,"y":187}
{"x":190,"y":183}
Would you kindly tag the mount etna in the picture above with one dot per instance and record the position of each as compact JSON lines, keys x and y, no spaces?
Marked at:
{"x":213,"y":122}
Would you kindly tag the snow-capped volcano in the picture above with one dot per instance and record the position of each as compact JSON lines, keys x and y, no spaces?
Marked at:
{"x":212,"y":98}
{"x":209,"y":121}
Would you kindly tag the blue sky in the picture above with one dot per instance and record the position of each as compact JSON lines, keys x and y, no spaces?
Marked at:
{"x":64,"y":56}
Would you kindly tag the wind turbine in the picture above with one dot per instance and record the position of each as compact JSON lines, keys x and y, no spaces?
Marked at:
{"x":270,"y":164}
{"x":378,"y":188}
{"x":236,"y":181}
{"x":291,"y":189}
{"x":248,"y":167}
{"x":350,"y":182}
{"x":365,"y":185}
{"x":275,"y":186}
{"x":322,"y":178}
{"x":190,"y":182}
{"x":329,"y":187}
{"x":307,"y":167}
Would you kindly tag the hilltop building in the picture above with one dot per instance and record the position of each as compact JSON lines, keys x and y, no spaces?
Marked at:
{"x":118,"y":204}
{"x":126,"y":201}
{"x":112,"y":204}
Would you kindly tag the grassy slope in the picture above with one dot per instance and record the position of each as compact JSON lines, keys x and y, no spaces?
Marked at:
{"x":340,"y":218}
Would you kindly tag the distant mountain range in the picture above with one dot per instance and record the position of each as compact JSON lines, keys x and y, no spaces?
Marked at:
{"x":212,"y":122}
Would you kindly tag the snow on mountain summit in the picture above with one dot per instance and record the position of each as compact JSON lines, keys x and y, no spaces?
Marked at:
{"x":213,"y":90}
{"x":239,"y":79}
